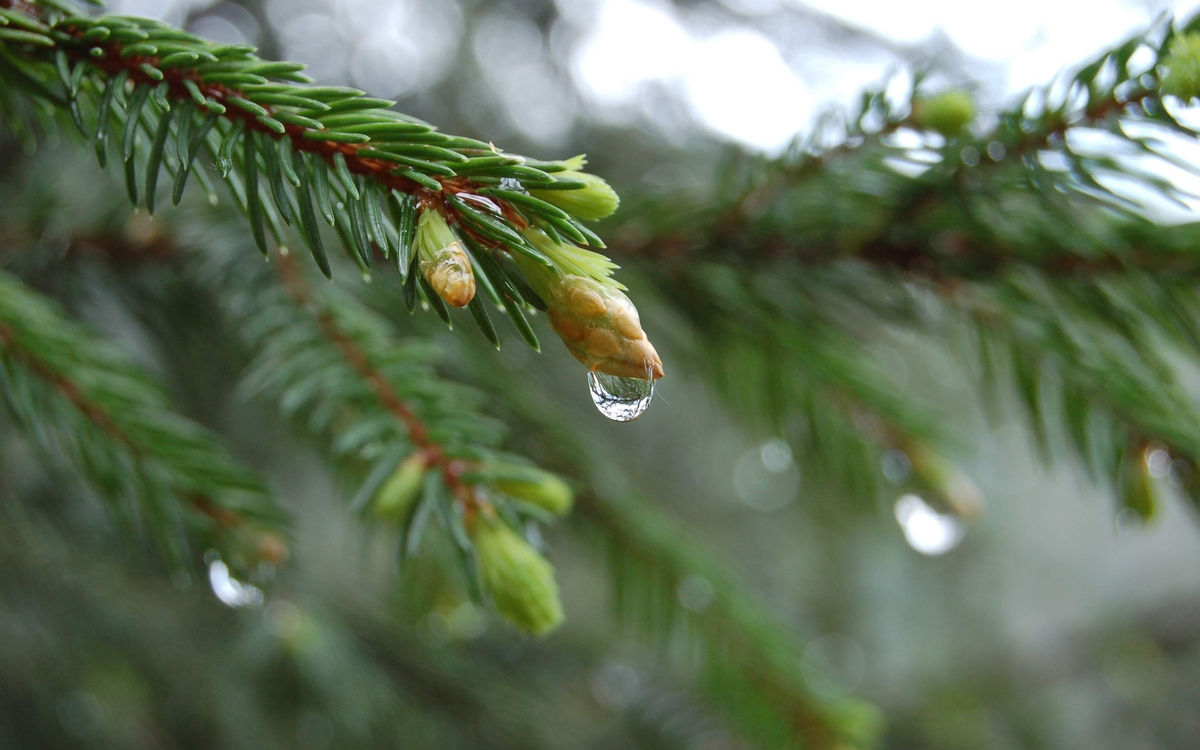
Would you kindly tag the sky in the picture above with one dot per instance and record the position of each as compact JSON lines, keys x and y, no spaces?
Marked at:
{"x":743,"y":86}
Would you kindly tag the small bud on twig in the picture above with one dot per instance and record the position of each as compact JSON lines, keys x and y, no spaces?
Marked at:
{"x":519,"y":581}
{"x":594,"y":201}
{"x":400,"y":491}
{"x":589,"y":312}
{"x":443,"y":261}
{"x":529,"y":484}
{"x":1182,"y":63}
{"x":948,"y":112}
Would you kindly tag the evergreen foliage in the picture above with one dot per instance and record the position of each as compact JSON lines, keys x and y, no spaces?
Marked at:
{"x":1027,"y":240}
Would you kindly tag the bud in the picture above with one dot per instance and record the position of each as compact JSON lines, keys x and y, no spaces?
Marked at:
{"x":949,"y":483}
{"x":1182,"y":63}
{"x":519,"y":581}
{"x":273,"y":549}
{"x":589,"y":312}
{"x":594,"y":201}
{"x":947,"y":113}
{"x":443,"y":261}
{"x":534,"y":486}
{"x":1139,"y":490}
{"x":858,"y":723}
{"x":397,"y":495}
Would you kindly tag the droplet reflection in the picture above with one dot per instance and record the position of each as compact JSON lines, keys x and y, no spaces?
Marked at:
{"x":766,"y":478}
{"x":695,"y":593}
{"x":620,"y":399}
{"x":926,"y":530}
{"x":231,"y":591}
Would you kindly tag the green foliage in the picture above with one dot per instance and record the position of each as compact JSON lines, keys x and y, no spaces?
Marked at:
{"x":1182,"y":65}
{"x":81,"y":399}
{"x":1035,"y":239}
{"x":1023,"y":245}
{"x":222,"y":103}
{"x":416,"y":444}
{"x":516,"y":578}
{"x":948,"y":112}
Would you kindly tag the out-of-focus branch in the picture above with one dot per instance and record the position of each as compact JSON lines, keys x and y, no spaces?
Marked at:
{"x":125,"y":422}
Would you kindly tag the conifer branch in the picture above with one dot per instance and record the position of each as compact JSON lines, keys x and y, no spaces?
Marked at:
{"x":749,"y":664}
{"x":79,"y":399}
{"x":1114,"y":400}
{"x":418,"y":451}
{"x":829,"y":246}
{"x":943,"y":200}
{"x":448,"y":209}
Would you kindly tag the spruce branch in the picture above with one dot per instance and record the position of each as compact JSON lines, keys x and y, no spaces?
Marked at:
{"x":79,"y":399}
{"x":1115,"y":400}
{"x":749,"y":664}
{"x":819,"y":250}
{"x":420,"y":453}
{"x":940,"y":199}
{"x":785,"y":352}
{"x":444,"y":207}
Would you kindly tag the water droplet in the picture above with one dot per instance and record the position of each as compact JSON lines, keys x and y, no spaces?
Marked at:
{"x":766,"y":478}
{"x":695,"y":593}
{"x":1128,"y":522}
{"x":620,"y":399}
{"x":926,"y":530}
{"x":231,"y":591}
{"x":1158,"y":461}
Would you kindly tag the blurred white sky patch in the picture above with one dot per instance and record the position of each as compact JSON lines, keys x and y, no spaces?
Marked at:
{"x":740,"y":86}
{"x":370,"y":43}
{"x":737,"y":83}
{"x":511,"y":54}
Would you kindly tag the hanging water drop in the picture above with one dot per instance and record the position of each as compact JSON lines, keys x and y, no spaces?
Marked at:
{"x":925,"y":529}
{"x":620,"y":399}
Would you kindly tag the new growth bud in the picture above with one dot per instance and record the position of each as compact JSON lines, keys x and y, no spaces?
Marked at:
{"x":397,"y":495}
{"x":594,"y":201}
{"x":948,"y":112}
{"x":949,"y":483}
{"x":593,"y":317}
{"x":1140,"y":491}
{"x":601,"y":327}
{"x":519,"y":581}
{"x":443,"y":261}
{"x":1182,"y":63}
{"x":534,"y":486}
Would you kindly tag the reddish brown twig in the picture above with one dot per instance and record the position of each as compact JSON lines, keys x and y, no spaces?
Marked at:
{"x":380,"y":171}
{"x":450,"y":468}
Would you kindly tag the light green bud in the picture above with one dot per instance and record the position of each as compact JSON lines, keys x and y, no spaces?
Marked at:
{"x":519,"y":581}
{"x":1182,"y":63}
{"x":534,"y":486}
{"x":948,"y":112}
{"x":1140,"y":492}
{"x":396,"y":496}
{"x":594,"y":318}
{"x":443,"y":261}
{"x":858,"y":723}
{"x":594,"y":201}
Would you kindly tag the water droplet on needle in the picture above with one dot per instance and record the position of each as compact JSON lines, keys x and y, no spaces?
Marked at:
{"x":620,"y":399}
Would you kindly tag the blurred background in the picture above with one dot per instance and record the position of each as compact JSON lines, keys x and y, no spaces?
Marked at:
{"x":1050,"y":620}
